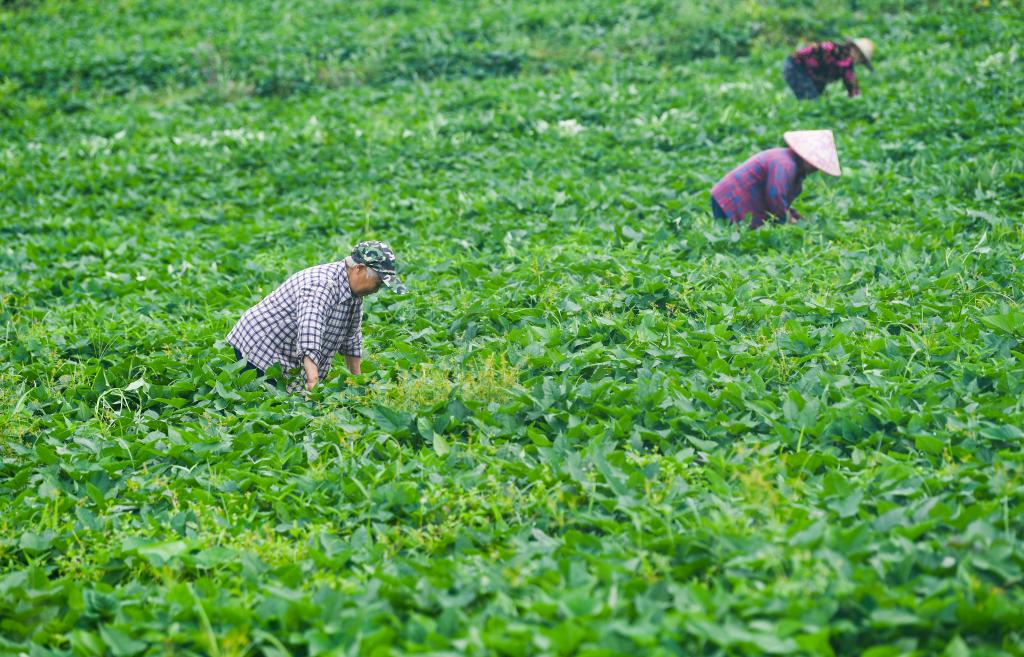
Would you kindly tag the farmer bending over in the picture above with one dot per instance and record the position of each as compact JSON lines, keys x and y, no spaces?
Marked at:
{"x":315,"y":314}
{"x":768,"y":182}
{"x":811,"y":68}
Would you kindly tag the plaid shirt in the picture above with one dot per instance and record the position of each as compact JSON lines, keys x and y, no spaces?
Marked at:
{"x":313,"y":313}
{"x":766,"y":183}
{"x":828,"y":61}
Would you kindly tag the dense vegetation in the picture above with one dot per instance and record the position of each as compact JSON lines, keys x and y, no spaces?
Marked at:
{"x":601,"y":423}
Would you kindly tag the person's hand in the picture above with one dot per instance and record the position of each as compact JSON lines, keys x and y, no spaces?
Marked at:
{"x":792,"y":219}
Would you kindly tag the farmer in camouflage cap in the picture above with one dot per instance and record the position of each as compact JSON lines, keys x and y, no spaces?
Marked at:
{"x":314,"y":315}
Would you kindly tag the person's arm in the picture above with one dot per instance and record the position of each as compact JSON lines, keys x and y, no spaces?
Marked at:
{"x":779,"y":190}
{"x":850,"y":82}
{"x":352,"y":349}
{"x":314,"y":301}
{"x":352,"y":346}
{"x":312,"y":372}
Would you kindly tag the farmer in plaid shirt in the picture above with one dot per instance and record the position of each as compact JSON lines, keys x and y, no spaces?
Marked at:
{"x":768,"y":182}
{"x":314,"y":315}
{"x":811,"y":68}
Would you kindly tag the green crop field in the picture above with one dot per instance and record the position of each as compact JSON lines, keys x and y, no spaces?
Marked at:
{"x":601,"y":423}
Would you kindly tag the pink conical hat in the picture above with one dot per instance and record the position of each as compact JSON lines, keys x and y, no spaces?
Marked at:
{"x":817,"y":147}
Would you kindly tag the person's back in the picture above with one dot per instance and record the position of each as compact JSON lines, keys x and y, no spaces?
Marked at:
{"x":314,"y":315}
{"x":765,"y":184}
{"x":811,"y":68}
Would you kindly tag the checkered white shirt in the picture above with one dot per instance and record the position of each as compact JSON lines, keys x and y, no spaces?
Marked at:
{"x":313,"y":313}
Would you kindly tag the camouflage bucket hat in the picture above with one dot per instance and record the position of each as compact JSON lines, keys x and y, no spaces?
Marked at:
{"x":379,"y":257}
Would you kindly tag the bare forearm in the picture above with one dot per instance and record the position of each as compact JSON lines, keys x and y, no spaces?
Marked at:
{"x":312,"y":372}
{"x":354,"y":364}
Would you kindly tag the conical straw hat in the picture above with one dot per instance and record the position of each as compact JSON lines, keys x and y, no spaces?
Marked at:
{"x":866,"y":47}
{"x":817,"y":147}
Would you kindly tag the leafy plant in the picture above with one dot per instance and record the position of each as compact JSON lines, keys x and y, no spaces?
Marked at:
{"x":602,"y":423}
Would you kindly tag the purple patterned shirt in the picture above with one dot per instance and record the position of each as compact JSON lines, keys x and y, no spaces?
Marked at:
{"x":828,"y":61}
{"x":765,"y":184}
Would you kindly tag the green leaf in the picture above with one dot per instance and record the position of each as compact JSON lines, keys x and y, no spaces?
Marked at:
{"x":537,"y":437}
{"x":224,"y":393}
{"x":213,"y":556}
{"x":120,"y":643}
{"x":35,"y":543}
{"x":13,"y":580}
{"x":929,"y":444}
{"x":893,"y":617}
{"x":1006,"y":432}
{"x":389,"y":420}
{"x":161,"y":553}
{"x":1011,"y":323}
{"x":87,"y":643}
{"x":956,"y":648}
{"x":46,"y":454}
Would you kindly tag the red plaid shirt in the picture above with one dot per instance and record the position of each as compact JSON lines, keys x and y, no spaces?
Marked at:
{"x":828,"y":61}
{"x":765,"y":184}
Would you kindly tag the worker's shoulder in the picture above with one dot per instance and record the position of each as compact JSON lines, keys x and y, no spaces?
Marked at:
{"x":778,"y":157}
{"x":331,"y":275}
{"x":764,"y":161}
{"x":326,"y":271}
